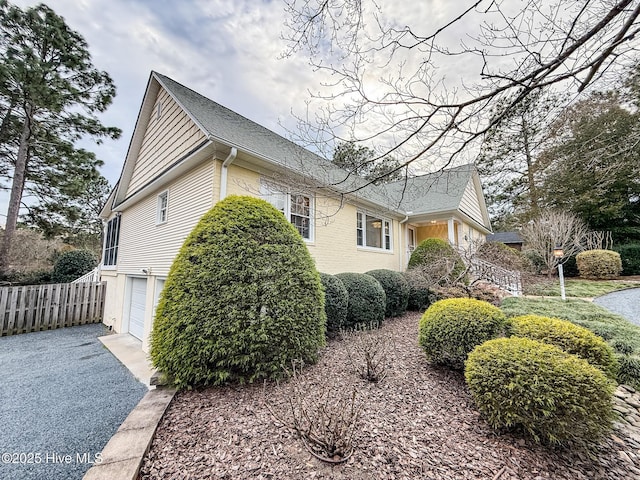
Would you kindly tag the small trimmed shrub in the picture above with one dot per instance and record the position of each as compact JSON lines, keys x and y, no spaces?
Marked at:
{"x":242,"y":300}
{"x":396,"y":290}
{"x":367,"y":300}
{"x":73,"y":264}
{"x":336,"y":303}
{"x":438,"y":255}
{"x":629,"y":371}
{"x":570,"y":267}
{"x":450,"y":329}
{"x":420,"y":295}
{"x":569,"y":337}
{"x":630,"y":257}
{"x":551,"y":395}
{"x":599,"y":264}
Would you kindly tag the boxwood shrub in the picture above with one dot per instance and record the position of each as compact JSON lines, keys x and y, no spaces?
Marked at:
{"x":432,"y":251}
{"x":242,"y":299}
{"x":336,"y":303}
{"x":569,"y":337}
{"x":599,"y":264}
{"x":420,"y":295}
{"x":551,"y":395}
{"x":451,"y":328}
{"x":367,"y":300}
{"x":396,"y":290}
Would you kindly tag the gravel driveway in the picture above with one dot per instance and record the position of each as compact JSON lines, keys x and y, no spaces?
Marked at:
{"x":622,"y":302}
{"x":62,"y":396}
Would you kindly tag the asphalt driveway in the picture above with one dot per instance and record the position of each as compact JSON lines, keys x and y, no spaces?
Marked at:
{"x":622,"y":302}
{"x":62,"y":396}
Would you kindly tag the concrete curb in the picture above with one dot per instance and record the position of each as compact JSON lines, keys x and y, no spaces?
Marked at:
{"x":122,"y":456}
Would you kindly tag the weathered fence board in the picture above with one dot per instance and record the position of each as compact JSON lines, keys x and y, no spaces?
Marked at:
{"x":33,"y":308}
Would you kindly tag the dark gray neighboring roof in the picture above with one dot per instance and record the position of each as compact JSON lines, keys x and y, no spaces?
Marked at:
{"x":505,"y":237}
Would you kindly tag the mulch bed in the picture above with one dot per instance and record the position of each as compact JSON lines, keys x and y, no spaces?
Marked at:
{"x":419,"y":422}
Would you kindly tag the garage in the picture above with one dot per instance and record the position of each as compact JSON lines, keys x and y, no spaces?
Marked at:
{"x":137,"y":307}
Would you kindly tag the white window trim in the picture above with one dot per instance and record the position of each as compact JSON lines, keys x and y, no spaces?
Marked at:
{"x":115,"y":247}
{"x":159,"y":220}
{"x":385,"y":221}
{"x":267,"y":188}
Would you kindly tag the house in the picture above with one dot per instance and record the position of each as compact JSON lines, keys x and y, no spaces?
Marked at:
{"x":187,"y":152}
{"x":510,"y":239}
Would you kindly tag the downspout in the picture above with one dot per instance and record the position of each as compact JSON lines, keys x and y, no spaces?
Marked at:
{"x":402,"y":245}
{"x":225,"y":167}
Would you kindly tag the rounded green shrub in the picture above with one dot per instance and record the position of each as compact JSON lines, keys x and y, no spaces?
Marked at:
{"x":551,"y":395}
{"x":451,"y":328}
{"x":630,"y":257}
{"x":242,"y":300}
{"x":396,"y":290}
{"x":629,"y":372}
{"x":73,"y":264}
{"x":336,"y":303}
{"x":367,"y":300}
{"x":599,"y":264}
{"x":436,"y":253}
{"x":569,"y":337}
{"x":420,"y":295}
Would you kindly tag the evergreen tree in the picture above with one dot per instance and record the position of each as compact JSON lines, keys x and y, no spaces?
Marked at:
{"x":50,"y":95}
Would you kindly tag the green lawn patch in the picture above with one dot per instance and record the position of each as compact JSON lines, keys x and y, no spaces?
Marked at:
{"x":621,"y":334}
{"x":581,"y":288}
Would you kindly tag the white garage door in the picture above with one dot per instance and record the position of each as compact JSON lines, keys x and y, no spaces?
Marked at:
{"x":136,"y":310}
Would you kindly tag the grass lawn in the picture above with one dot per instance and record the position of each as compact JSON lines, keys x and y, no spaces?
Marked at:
{"x":581,"y":288}
{"x":621,"y":334}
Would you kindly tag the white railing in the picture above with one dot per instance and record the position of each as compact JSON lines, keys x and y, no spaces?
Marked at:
{"x":92,"y":276}
{"x":508,"y":280}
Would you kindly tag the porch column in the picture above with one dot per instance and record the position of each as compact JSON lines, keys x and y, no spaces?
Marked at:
{"x":451,"y":232}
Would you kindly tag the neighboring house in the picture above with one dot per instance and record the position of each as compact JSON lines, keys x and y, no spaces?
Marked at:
{"x":510,"y":239}
{"x":187,"y":152}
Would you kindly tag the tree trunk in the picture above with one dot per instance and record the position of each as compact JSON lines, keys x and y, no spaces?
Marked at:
{"x":17,"y":187}
{"x":533,"y":190}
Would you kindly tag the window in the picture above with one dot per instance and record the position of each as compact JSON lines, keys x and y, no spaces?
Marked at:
{"x":373,"y":232}
{"x":163,"y":205}
{"x":298,"y":208}
{"x":110,"y":256}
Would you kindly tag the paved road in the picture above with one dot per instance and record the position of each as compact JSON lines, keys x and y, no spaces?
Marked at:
{"x":622,"y":302}
{"x":62,"y":396}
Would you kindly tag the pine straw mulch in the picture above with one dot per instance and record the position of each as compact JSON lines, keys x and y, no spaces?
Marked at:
{"x":419,"y":422}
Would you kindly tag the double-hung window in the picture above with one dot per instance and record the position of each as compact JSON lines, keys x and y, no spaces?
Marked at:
{"x":112,"y":237}
{"x":373,"y":232}
{"x":297,"y":207}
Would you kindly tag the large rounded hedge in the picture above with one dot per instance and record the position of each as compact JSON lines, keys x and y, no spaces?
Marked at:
{"x":551,"y":395}
{"x":242,"y":299}
{"x":396,"y":290}
{"x":433,"y":251}
{"x":599,"y":264}
{"x":73,"y":264}
{"x":569,"y":337}
{"x":451,"y":328}
{"x":630,"y":258}
{"x":336,"y":302}
{"x":367,"y":300}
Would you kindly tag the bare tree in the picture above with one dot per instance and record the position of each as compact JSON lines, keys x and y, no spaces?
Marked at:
{"x":403,"y":83}
{"x":554,"y":229}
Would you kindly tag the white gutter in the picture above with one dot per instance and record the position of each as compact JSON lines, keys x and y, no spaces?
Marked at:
{"x":225,"y":168}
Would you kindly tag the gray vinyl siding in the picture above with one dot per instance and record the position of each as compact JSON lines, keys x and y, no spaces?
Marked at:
{"x":165,"y":141}
{"x":145,"y":244}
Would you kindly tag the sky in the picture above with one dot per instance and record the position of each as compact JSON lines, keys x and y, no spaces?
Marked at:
{"x":227,"y":50}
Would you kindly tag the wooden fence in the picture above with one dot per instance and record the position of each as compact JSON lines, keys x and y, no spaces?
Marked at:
{"x":33,"y":308}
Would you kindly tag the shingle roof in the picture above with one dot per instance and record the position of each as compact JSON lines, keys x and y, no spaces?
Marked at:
{"x":441,"y":191}
{"x":505,"y":237}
